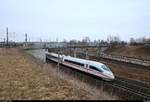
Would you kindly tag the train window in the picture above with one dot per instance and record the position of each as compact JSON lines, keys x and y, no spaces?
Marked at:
{"x":52,"y":56}
{"x":92,"y":67}
{"x":74,"y":62}
{"x":105,"y":68}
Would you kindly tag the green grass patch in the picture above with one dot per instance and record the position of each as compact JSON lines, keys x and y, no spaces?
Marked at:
{"x":29,"y":51}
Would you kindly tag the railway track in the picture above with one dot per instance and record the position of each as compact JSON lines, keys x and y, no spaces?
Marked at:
{"x":126,"y":64}
{"x":141,"y":90}
{"x":94,"y":57}
{"x":137,"y":90}
{"x":122,"y":63}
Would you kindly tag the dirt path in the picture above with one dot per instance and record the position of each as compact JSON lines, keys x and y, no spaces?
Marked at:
{"x":23,"y":77}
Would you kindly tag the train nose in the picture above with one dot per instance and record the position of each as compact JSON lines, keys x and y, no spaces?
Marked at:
{"x":112,"y":76}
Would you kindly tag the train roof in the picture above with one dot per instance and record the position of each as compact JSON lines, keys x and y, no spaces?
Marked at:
{"x":75,"y":59}
{"x":79,"y":60}
{"x":91,"y":63}
{"x":84,"y":61}
{"x":53,"y":54}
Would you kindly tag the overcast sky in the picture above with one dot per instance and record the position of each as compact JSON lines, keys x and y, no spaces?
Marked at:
{"x":74,"y":19}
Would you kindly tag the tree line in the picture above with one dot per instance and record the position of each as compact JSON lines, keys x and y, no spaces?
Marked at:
{"x":111,"y":40}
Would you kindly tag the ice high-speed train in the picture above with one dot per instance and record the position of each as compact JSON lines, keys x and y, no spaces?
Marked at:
{"x":90,"y":67}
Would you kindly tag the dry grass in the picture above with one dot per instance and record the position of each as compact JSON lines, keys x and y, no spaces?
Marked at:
{"x":94,"y":92}
{"x":23,"y":77}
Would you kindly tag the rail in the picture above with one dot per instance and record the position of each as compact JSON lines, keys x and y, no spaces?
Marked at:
{"x":140,"y":89}
{"x":125,"y":59}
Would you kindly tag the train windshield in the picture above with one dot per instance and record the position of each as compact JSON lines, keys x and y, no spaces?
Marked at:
{"x":105,"y":68}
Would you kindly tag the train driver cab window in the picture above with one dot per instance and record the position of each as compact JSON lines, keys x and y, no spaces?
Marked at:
{"x":105,"y":68}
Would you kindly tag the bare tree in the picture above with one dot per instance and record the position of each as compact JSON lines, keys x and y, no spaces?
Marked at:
{"x":73,"y":42}
{"x":109,"y":38}
{"x":113,"y":40}
{"x":148,"y":40}
{"x":86,"y":40}
{"x":132,"y":41}
{"x":139,"y":41}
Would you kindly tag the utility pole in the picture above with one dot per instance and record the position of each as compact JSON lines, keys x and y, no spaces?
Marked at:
{"x":7,"y":35}
{"x":70,"y":49}
{"x":26,"y":37}
{"x":14,"y":36}
{"x":86,"y":54}
{"x":58,"y":52}
{"x":99,"y":50}
{"x":58,"y":59}
{"x":75,"y":52}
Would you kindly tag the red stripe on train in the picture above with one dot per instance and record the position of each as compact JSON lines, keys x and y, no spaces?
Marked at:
{"x":84,"y":68}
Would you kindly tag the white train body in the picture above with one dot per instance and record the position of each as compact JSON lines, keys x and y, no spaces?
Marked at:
{"x":91,"y":67}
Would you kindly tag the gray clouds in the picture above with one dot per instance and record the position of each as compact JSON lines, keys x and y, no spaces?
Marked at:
{"x":73,"y":19}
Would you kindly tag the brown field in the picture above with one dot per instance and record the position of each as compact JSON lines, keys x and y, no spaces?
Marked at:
{"x":131,"y":51}
{"x":23,"y":77}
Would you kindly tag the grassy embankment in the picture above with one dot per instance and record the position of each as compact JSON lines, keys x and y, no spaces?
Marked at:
{"x":24,"y":77}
